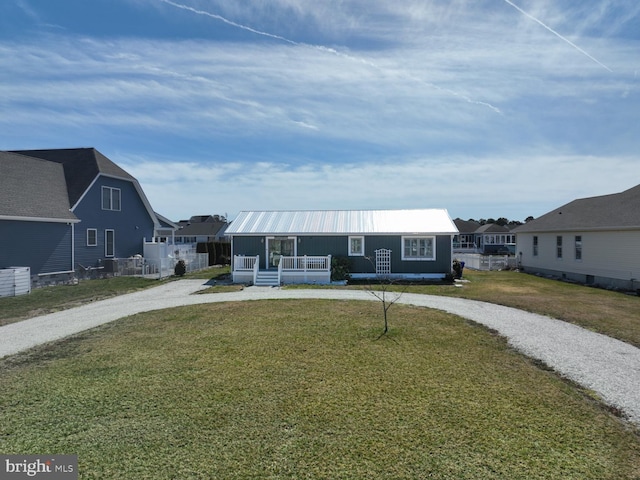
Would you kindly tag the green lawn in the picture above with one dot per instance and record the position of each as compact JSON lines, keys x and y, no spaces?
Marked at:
{"x":302,"y":389}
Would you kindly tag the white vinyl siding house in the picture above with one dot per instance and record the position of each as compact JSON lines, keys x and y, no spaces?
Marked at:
{"x":597,"y":262}
{"x":594,"y":241}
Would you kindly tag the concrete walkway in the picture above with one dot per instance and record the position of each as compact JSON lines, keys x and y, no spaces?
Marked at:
{"x":609,"y":367}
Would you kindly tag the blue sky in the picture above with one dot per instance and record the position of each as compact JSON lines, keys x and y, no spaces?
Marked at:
{"x":489,"y":108}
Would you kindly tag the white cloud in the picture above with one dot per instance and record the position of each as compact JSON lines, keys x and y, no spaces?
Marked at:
{"x":466,"y":105}
{"x":466,"y":186}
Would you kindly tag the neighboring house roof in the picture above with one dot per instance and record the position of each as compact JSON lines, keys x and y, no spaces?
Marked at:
{"x":617,"y":211}
{"x":352,"y":222}
{"x":491,"y":228}
{"x":33,"y":189}
{"x":208,"y":229}
{"x":466,"y":226}
{"x":81,"y":168}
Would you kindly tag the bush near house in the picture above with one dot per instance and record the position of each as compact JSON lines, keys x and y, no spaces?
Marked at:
{"x":340,"y":267}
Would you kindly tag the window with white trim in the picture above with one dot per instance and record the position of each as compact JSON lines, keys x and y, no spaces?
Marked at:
{"x":535,"y":245}
{"x":109,"y":243}
{"x":418,"y":248}
{"x":559,"y":247}
{"x":356,"y":246}
{"x":578,"y":247}
{"x":111,"y":198}
{"x":92,"y":237}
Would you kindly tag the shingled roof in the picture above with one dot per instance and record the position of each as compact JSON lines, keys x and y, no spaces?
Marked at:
{"x":618,"y":211}
{"x":466,"y":226}
{"x":81,"y":166}
{"x":33,"y":189}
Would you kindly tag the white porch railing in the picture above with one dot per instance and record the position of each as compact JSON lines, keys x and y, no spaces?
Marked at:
{"x":245,"y":268}
{"x":299,"y":269}
{"x":256,"y":268}
{"x":242,"y":263}
{"x":304,"y":269}
{"x":305,"y":263}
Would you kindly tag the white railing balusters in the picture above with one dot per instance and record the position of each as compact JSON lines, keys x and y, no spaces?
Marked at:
{"x":240,"y":262}
{"x":256,"y":268}
{"x":304,"y":263}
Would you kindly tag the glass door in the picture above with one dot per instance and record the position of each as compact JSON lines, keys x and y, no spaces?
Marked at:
{"x":279,"y":247}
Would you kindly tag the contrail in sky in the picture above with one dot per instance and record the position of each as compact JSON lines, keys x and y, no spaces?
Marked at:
{"x":325,"y":49}
{"x":228,"y":22}
{"x":557,"y":34}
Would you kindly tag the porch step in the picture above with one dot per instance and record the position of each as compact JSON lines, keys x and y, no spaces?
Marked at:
{"x":267,"y":278}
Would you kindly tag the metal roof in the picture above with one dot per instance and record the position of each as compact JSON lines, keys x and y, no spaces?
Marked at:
{"x":351,"y":222}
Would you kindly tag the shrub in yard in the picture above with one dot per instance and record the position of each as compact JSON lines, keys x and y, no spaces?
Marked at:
{"x":180,"y":269}
{"x":457,"y":268}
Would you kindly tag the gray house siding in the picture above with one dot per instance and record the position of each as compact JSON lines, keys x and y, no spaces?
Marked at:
{"x":131,"y":224}
{"x":337,"y":246}
{"x":250,"y":246}
{"x":43,"y":247}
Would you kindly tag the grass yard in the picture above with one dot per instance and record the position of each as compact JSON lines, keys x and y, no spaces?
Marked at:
{"x":610,"y":313}
{"x":302,"y":389}
{"x":52,"y":299}
{"x":61,"y":297}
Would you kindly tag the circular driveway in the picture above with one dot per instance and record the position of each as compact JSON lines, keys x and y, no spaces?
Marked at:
{"x":609,"y":367}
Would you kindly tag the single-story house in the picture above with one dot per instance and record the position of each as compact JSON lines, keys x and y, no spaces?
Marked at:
{"x":593,"y":240}
{"x":274,"y":247}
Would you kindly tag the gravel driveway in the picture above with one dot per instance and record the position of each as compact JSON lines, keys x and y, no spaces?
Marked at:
{"x":609,"y":367}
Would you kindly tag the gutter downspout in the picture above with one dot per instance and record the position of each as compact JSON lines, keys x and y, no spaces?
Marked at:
{"x":73,"y":247}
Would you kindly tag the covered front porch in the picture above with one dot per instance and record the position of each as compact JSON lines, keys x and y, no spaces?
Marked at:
{"x":284,"y":269}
